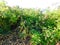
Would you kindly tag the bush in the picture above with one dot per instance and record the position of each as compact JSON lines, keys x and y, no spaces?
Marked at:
{"x":42,"y":28}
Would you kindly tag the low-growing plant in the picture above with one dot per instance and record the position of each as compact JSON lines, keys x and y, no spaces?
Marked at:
{"x":43,"y":28}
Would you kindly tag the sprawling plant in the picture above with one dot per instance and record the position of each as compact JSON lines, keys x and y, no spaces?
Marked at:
{"x":41,"y":28}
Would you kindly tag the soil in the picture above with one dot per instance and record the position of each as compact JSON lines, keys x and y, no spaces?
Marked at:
{"x":13,"y":39}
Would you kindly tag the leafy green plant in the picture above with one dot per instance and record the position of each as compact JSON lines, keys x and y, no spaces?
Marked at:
{"x":43,"y":28}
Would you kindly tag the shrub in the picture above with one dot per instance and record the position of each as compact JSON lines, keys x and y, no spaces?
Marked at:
{"x":43,"y":29}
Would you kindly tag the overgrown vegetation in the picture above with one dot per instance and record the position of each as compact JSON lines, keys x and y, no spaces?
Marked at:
{"x":41,"y":28}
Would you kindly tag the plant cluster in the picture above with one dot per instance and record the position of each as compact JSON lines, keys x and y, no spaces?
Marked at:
{"x":42,"y":28}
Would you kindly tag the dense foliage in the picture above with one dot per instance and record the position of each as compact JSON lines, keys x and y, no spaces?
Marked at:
{"x":42,"y":28}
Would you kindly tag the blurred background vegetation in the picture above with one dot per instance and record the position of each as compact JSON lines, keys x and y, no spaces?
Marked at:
{"x":42,"y":28}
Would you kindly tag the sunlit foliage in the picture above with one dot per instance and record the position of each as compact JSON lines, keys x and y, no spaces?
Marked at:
{"x":43,"y":29}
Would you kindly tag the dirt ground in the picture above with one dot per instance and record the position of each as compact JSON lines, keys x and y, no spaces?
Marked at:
{"x":12,"y":39}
